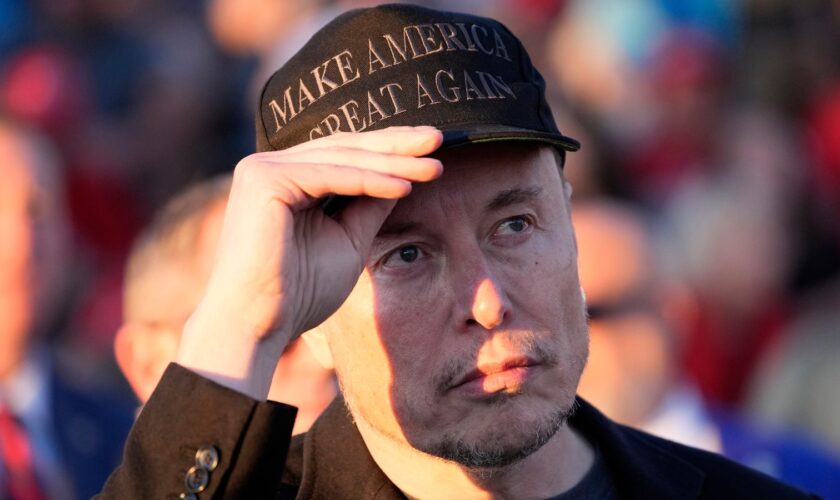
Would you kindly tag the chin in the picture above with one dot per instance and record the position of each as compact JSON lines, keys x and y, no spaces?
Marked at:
{"x":507,"y":430}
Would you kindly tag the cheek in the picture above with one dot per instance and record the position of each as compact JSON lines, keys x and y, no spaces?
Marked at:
{"x":380,"y":339}
{"x":545,"y":281}
{"x":357,"y":352}
{"x":412,"y":325}
{"x":378,"y":348}
{"x":550,"y":296}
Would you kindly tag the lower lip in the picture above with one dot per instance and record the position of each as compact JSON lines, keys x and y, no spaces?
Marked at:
{"x":507,"y":381}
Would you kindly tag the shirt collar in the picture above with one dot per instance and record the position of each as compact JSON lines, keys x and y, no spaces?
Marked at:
{"x":25,"y":391}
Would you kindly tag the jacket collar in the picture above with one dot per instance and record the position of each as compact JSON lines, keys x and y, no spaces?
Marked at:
{"x":337,"y":464}
{"x":640,"y":465}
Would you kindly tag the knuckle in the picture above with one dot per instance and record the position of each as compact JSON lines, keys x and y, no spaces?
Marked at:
{"x":247,"y":171}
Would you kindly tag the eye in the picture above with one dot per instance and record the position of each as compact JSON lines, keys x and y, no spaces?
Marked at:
{"x":513,"y":225}
{"x":403,"y":256}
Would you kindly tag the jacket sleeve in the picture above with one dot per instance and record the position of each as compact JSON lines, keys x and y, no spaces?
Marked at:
{"x":195,"y":437}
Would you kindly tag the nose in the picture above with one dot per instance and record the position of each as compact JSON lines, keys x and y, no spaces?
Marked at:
{"x":490,"y":305}
{"x":478,"y":292}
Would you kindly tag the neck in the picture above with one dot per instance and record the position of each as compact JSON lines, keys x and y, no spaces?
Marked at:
{"x":550,"y":471}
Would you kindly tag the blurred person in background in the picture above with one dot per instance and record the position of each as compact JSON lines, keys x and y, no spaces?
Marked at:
{"x":167,"y":271}
{"x":656,"y":89}
{"x":102,"y":79}
{"x":699,"y":109}
{"x":59,"y":435}
{"x":797,"y":383}
{"x":733,"y":247}
{"x":633,"y":373}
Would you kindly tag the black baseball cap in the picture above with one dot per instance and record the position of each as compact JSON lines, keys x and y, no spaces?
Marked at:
{"x":401,"y":64}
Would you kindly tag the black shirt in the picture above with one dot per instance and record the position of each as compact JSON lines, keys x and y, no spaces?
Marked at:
{"x":595,"y":485}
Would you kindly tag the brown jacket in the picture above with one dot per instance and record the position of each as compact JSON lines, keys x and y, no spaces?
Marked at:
{"x":187,"y":413}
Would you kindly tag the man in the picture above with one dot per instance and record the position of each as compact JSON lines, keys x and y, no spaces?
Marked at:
{"x":166,"y":273}
{"x":58,"y":434}
{"x":633,"y":374}
{"x":445,"y":292}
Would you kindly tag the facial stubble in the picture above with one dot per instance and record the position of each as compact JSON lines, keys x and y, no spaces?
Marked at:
{"x":505,"y":444}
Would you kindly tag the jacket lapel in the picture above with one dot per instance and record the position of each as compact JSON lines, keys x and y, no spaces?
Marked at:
{"x":640,"y":467}
{"x":337,"y":463}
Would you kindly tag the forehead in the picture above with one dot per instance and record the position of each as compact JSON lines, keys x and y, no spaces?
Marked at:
{"x":477,"y":173}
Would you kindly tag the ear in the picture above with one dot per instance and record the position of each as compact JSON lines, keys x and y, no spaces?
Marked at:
{"x":316,"y":341}
{"x":142,"y":353}
{"x":567,"y":191}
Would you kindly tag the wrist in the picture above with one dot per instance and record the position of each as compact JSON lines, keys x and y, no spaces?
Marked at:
{"x":230,"y":352}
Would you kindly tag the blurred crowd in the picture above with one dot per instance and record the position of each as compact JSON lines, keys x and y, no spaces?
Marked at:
{"x":711,"y":154}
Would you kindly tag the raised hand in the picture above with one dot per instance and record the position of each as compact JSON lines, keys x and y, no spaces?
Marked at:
{"x":282,"y":265}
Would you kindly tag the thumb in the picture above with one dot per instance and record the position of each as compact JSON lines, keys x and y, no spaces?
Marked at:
{"x":362,"y":220}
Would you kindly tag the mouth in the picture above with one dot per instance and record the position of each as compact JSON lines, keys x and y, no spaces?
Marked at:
{"x":508,"y":375}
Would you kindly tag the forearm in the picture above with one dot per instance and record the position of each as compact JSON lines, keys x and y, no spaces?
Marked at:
{"x":188,"y":412}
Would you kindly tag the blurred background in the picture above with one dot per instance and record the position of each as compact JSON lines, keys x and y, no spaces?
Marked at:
{"x":712,"y":126}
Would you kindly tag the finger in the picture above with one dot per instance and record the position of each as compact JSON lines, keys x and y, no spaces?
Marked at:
{"x":412,"y":141}
{"x":407,"y":167}
{"x":362,"y":220}
{"x":317,"y":181}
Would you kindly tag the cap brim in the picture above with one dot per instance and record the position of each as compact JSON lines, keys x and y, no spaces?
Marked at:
{"x":459,"y":136}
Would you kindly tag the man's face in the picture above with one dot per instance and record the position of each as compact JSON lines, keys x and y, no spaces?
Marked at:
{"x":466,"y":334}
{"x":632,"y":359}
{"x":33,"y":237}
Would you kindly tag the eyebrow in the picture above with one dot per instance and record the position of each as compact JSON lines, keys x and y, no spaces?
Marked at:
{"x":513,"y":196}
{"x":502,"y":199}
{"x":396,"y":228}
